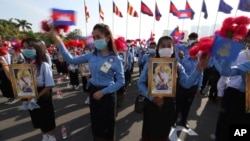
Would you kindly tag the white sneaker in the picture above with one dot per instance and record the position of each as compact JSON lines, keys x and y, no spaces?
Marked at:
{"x":45,"y":137}
{"x":76,"y":87}
{"x":51,"y":138}
{"x":14,"y":101}
{"x":87,"y":101}
{"x":70,"y":86}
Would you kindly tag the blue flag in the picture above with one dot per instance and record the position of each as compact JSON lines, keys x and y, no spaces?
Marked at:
{"x":224,"y":48}
{"x":224,"y":7}
{"x":204,"y":9}
{"x":244,"y":5}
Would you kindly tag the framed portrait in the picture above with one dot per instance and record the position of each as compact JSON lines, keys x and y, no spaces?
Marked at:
{"x":23,"y":81}
{"x":124,"y":56}
{"x":85,"y":69}
{"x":162,"y":75}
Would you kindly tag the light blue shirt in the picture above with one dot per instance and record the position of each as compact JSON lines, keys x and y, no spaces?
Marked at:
{"x":241,"y":69}
{"x":144,"y":59}
{"x":96,"y":63}
{"x":190,"y":65}
{"x":45,"y":76}
{"x":185,"y":80}
{"x":181,"y":47}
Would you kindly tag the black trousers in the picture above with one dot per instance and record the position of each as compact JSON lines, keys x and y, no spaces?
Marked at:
{"x":232,"y":112}
{"x":102,"y":114}
{"x":73,"y":76}
{"x":5,"y":85}
{"x":184,"y":99}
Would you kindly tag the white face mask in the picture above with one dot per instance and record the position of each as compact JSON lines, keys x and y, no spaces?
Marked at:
{"x":151,"y":51}
{"x":190,"y":42}
{"x":165,"y":52}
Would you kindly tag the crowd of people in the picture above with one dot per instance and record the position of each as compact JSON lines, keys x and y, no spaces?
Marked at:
{"x":106,"y":75}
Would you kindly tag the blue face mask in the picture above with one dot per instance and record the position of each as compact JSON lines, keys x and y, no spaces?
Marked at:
{"x":100,"y":44}
{"x":151,"y":51}
{"x":29,"y":53}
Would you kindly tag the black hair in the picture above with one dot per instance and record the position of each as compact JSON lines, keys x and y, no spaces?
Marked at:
{"x":193,"y":35}
{"x":40,"y":50}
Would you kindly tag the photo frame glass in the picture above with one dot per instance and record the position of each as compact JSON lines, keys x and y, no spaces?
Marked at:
{"x":162,"y":77}
{"x":23,"y":81}
{"x":123,"y":55}
{"x":85,"y":69}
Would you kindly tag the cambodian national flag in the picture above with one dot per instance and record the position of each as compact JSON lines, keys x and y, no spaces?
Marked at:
{"x":157,"y":13}
{"x":173,"y":9}
{"x":63,"y":17}
{"x":145,"y":9}
{"x":188,"y":8}
{"x":185,"y":14}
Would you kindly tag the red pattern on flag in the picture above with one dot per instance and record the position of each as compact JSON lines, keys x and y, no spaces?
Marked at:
{"x":116,"y":10}
{"x":101,"y":12}
{"x":131,"y":11}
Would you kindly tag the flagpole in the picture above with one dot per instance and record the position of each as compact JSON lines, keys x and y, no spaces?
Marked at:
{"x":140,"y":25}
{"x":182,"y":24}
{"x":199,"y":19}
{"x":113,"y":20}
{"x":237,"y":9}
{"x":154,"y":19}
{"x":85,"y":18}
{"x":168,"y":17}
{"x":127,"y":22}
{"x":216,"y":18}
{"x":99,"y":10}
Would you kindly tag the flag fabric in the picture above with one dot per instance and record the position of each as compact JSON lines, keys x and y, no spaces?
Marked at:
{"x":188,"y":7}
{"x":146,"y":10}
{"x":173,"y":9}
{"x":86,"y":11}
{"x":244,"y":5}
{"x":151,"y":38}
{"x":131,"y":11}
{"x":63,"y":17}
{"x":116,"y":10}
{"x":101,"y":13}
{"x":224,"y":48}
{"x":185,"y":14}
{"x":157,"y":13}
{"x":204,"y":9}
{"x":224,"y":7}
{"x":176,"y":34}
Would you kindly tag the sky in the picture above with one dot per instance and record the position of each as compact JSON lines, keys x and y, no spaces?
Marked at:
{"x":34,"y":11}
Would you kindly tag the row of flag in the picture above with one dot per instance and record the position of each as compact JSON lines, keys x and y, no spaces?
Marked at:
{"x":244,"y":5}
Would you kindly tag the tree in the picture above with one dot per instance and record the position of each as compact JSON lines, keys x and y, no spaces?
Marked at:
{"x":23,"y":24}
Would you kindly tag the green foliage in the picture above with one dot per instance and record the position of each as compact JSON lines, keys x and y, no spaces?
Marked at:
{"x":21,"y":29}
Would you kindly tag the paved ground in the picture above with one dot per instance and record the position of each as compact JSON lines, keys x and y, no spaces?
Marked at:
{"x":71,"y":111}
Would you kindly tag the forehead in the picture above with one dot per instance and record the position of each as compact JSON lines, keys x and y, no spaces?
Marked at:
{"x":166,"y":42}
{"x":26,"y":45}
{"x":97,"y":32}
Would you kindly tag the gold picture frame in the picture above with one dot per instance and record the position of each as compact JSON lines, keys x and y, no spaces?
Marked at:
{"x":124,"y":56}
{"x":85,"y":70}
{"x":23,"y":81}
{"x":247,"y":92}
{"x":162,"y":75}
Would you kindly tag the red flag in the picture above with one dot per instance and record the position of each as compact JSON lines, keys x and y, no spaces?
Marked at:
{"x":173,"y":9}
{"x":157,"y":13}
{"x":146,"y":10}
